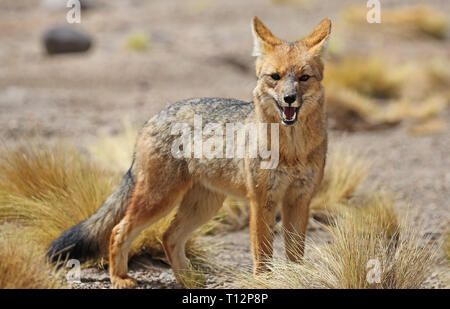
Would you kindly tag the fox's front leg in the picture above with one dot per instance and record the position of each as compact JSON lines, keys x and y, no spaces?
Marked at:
{"x":295,"y":215}
{"x":262,"y":217}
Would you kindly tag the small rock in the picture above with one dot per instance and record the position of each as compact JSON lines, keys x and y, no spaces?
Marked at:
{"x":163,"y":276}
{"x":66,"y":39}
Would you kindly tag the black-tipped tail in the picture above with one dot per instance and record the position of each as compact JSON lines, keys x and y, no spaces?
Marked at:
{"x":89,"y":238}
{"x":72,"y":244}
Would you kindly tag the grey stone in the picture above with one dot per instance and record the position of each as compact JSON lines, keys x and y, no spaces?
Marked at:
{"x":66,"y":39}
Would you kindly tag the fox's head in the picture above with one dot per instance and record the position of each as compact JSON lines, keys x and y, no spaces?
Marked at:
{"x":289,"y":73}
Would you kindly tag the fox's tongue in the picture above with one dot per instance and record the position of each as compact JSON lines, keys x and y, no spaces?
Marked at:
{"x":289,"y":113}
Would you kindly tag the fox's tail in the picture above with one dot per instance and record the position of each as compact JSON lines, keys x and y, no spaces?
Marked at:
{"x":90,"y":238}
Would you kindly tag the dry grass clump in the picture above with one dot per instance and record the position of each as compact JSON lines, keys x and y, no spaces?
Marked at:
{"x":427,"y":79}
{"x":355,"y":89}
{"x":368,"y":249}
{"x":424,"y":115}
{"x":420,"y":19}
{"x":368,"y":94}
{"x":428,"y":127}
{"x":446,"y":245}
{"x":349,"y":110}
{"x":47,"y":189}
{"x":371,"y":76}
{"x":344,"y":174}
{"x":21,"y":266}
{"x":374,"y":212}
{"x":438,"y":73}
{"x":429,"y":108}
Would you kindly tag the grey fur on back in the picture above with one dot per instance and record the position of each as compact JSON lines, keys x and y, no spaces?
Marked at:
{"x":220,"y":110}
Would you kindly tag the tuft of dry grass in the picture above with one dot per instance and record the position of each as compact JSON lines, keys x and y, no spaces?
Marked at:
{"x":344,"y":174}
{"x":21,"y":266}
{"x":367,"y":94}
{"x":370,"y":76}
{"x":368,"y":249}
{"x":438,"y":74}
{"x":419,"y":19}
{"x":446,"y":245}
{"x":351,"y":111}
{"x":354,"y":90}
{"x":428,"y":127}
{"x":47,"y":189}
{"x":422,"y":19}
{"x":374,"y":213}
{"x":427,"y":109}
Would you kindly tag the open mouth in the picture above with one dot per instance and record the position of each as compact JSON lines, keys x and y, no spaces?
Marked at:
{"x":288,"y":114}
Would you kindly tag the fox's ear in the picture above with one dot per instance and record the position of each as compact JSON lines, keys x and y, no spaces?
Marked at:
{"x":317,"y":41}
{"x":263,"y":39}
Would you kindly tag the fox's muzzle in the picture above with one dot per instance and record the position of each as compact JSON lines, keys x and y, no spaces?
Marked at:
{"x":291,"y":102}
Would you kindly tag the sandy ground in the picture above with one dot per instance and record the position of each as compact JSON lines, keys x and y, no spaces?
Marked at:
{"x":198,"y":49}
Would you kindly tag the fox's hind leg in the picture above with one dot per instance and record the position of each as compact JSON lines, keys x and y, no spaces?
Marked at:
{"x":122,"y":236}
{"x":198,"y":206}
{"x":151,"y":201}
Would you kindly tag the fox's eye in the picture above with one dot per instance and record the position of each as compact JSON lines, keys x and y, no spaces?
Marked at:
{"x":304,"y":78}
{"x":275,"y":76}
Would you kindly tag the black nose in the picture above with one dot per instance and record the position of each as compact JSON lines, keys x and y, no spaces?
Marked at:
{"x":289,"y":98}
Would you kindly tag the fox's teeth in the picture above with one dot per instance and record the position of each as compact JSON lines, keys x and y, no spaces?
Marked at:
{"x":289,"y":118}
{"x":289,"y":113}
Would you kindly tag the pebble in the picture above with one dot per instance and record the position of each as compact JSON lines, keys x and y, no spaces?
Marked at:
{"x":66,"y":39}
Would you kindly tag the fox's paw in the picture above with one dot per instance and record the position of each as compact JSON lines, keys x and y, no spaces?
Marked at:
{"x":123,"y":283}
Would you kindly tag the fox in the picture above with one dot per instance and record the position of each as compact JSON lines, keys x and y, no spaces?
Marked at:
{"x":288,"y":93}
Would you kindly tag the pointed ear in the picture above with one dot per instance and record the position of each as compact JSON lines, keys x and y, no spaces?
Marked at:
{"x":317,"y":41}
{"x":263,"y":39}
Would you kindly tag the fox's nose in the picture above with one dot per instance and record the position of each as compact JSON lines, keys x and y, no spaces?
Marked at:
{"x":290,"y":98}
